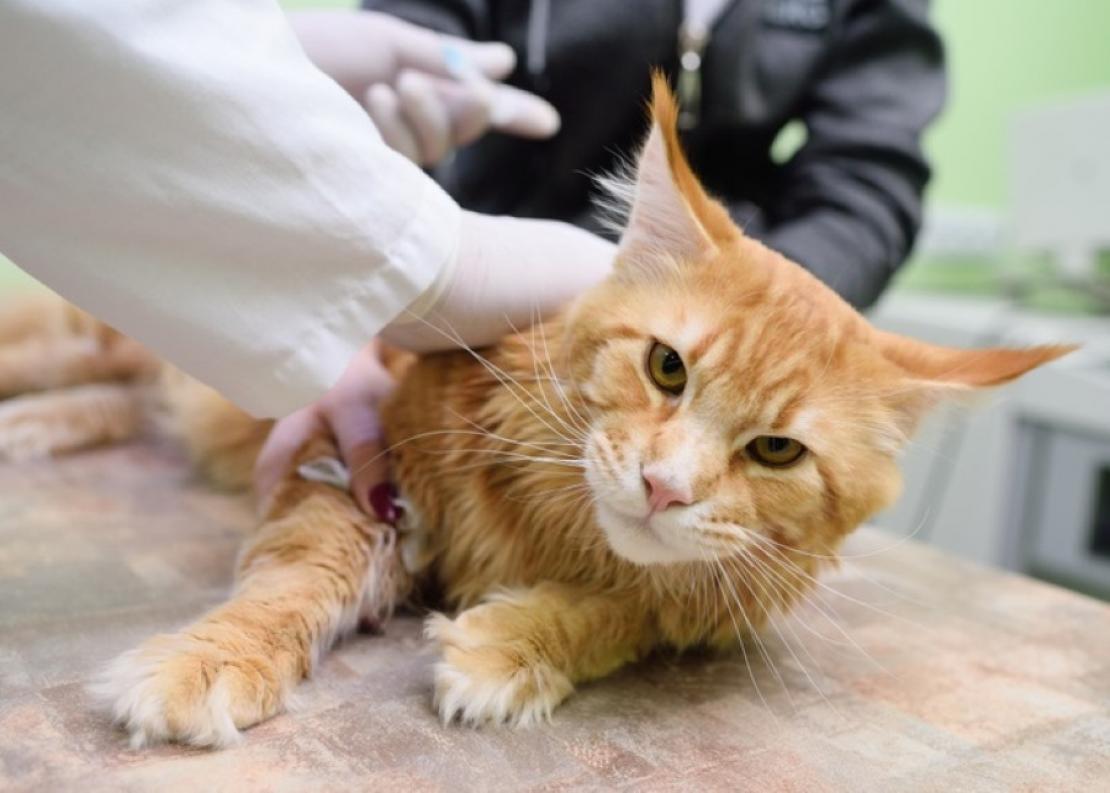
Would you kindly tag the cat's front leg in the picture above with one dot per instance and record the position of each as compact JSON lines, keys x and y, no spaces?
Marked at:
{"x":199,"y":686}
{"x":514,"y":658}
{"x":315,"y":566}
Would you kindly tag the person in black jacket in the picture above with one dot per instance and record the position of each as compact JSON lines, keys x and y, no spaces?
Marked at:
{"x":864,"y":77}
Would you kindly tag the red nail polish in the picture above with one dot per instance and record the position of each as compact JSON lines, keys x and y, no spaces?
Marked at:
{"x":383,"y":498}
{"x":370,"y":626}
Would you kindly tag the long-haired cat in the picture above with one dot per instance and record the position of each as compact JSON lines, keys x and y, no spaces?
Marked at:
{"x":664,"y":465}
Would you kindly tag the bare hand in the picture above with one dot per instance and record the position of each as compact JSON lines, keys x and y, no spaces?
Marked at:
{"x":349,"y":411}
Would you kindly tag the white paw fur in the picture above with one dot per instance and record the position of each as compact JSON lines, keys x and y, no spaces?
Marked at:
{"x":158,"y":693}
{"x":480,"y":682}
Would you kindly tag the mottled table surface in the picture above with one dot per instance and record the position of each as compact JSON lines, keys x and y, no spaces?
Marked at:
{"x":910,"y":671}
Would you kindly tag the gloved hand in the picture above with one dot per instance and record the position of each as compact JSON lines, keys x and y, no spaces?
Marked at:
{"x":427,"y":93}
{"x":507,"y":273}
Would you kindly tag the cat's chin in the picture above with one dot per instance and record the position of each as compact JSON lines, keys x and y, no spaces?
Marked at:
{"x":641,"y":542}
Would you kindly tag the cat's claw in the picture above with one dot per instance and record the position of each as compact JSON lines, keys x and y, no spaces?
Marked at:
{"x":172,"y":689}
{"x":482,"y":679}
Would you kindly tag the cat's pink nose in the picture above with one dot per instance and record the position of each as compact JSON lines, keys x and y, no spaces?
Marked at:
{"x":663,"y":493}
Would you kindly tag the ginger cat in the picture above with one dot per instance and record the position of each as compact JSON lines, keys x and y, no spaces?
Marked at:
{"x":666,"y":464}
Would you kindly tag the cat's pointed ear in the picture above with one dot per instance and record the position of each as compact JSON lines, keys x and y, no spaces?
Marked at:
{"x":671,"y":218}
{"x":933,"y":373}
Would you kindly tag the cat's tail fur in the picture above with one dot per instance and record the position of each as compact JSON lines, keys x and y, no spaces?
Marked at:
{"x":70,"y":382}
{"x":66,"y":381}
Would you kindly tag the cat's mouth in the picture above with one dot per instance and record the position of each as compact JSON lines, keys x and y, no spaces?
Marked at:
{"x":641,"y":537}
{"x":643,"y":516}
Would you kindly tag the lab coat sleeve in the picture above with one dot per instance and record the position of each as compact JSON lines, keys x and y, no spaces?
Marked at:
{"x":181,"y":171}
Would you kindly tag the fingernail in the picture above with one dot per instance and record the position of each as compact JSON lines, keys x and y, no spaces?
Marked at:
{"x":370,"y":626}
{"x":456,"y":62}
{"x":383,"y":498}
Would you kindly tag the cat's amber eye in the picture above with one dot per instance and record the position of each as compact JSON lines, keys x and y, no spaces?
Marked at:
{"x":775,"y":451}
{"x":666,"y":369}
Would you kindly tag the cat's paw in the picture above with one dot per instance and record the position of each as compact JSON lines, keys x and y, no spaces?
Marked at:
{"x":487,"y":677}
{"x":179,"y":688}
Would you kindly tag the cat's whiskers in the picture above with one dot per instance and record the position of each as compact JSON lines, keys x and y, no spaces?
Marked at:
{"x":546,"y":495}
{"x":717,"y":574}
{"x":842,"y":557}
{"x":570,"y":420}
{"x":572,"y":423}
{"x":556,"y":448}
{"x":438,"y":433}
{"x":667,"y":582}
{"x":510,"y":383}
{"x":807,"y":594}
{"x":752,"y":632}
{"x":770,"y":577}
{"x":767,"y":588}
{"x":490,"y":433}
{"x":582,"y":422}
{"x":578,"y":395}
{"x":747,"y":533}
{"x":798,"y":571}
{"x":580,"y":507}
{"x":565,"y":422}
{"x":805,"y":591}
{"x":552,"y":495}
{"x":706,"y":593}
{"x":506,"y":456}
{"x":804,"y":594}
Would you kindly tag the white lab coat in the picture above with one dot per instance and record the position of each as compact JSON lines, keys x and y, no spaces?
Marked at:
{"x":181,"y":170}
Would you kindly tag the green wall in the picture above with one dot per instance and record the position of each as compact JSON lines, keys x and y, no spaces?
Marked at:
{"x":1003,"y":54}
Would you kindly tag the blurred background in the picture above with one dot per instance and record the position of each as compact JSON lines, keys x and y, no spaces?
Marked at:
{"x":1016,"y":249}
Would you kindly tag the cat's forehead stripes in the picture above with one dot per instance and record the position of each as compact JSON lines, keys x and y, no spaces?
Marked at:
{"x":801,"y":422}
{"x":623,"y":331}
{"x":710,"y":339}
{"x":753,"y":383}
{"x":686,"y":334}
{"x":786,"y":423}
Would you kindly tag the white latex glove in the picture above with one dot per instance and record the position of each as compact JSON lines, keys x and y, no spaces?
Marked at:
{"x":427,"y":93}
{"x":507,"y":273}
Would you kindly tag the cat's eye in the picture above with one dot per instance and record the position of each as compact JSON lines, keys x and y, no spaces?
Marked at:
{"x":666,"y":369}
{"x":775,"y":451}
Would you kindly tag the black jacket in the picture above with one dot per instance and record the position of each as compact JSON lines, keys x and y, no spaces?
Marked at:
{"x":864,"y":76}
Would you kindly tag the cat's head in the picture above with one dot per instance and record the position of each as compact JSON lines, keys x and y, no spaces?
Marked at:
{"x":734,"y":397}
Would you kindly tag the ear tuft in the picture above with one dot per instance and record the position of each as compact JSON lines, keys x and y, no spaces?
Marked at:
{"x":664,"y":113}
{"x":671,"y":218}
